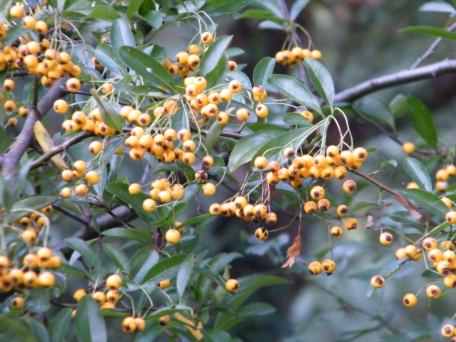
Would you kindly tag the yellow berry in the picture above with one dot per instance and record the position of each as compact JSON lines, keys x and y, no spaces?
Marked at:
{"x":410,"y":300}
{"x":232,"y":285}
{"x":408,"y":147}
{"x":173,"y":236}
{"x":377,"y":281}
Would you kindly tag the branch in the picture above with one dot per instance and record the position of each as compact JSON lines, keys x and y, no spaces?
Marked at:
{"x":59,"y":148}
{"x":11,"y":158}
{"x":402,"y":77}
{"x":404,"y":201}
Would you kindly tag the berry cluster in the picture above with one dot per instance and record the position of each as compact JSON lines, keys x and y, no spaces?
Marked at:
{"x":188,"y":61}
{"x":296,"y":55}
{"x":83,"y":179}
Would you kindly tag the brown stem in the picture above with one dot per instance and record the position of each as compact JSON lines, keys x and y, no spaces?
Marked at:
{"x":398,"y":196}
{"x":59,"y":148}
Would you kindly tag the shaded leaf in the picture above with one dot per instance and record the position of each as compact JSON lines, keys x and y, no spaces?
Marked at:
{"x":322,"y":80}
{"x":90,"y":324}
{"x":431,"y":31}
{"x":296,"y":90}
{"x":263,"y":70}
{"x":418,"y":172}
{"x":183,"y":275}
{"x":214,"y":54}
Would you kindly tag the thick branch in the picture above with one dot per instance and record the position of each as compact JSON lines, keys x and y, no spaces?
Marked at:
{"x":12,"y":157}
{"x":402,"y":77}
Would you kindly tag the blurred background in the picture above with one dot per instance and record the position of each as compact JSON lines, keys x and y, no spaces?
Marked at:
{"x":359,"y":39}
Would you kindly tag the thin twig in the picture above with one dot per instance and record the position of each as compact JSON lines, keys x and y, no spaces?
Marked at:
{"x":431,"y":49}
{"x":59,"y":148}
{"x":398,"y":196}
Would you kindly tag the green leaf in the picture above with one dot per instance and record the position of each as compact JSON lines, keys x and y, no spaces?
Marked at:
{"x":164,"y":265}
{"x":133,"y":7}
{"x":117,"y":256}
{"x":260,"y":14}
{"x":213,"y":135}
{"x":247,"y":148}
{"x":141,"y":235}
{"x":214,"y":54}
{"x":5,"y":140}
{"x":151,"y":260}
{"x":296,"y":90}
{"x":250,"y":284}
{"x":427,"y":200}
{"x":146,"y":66}
{"x":38,"y":330}
{"x":418,"y":172}
{"x":121,"y":34}
{"x":322,"y":80}
{"x":263,"y":70}
{"x":155,"y":19}
{"x":183,"y":275}
{"x":225,"y":6}
{"x":82,"y":247}
{"x":297,"y":7}
{"x":90,"y":324}
{"x":421,"y":117}
{"x":15,"y":329}
{"x":438,"y":6}
{"x":256,"y":309}
{"x":220,"y":261}
{"x":104,"y":12}
{"x":430,"y":31}
{"x":60,"y":325}
{"x":110,"y":113}
{"x":103,"y":54}
{"x":33,"y":203}
{"x":371,"y":108}
{"x":216,"y":74}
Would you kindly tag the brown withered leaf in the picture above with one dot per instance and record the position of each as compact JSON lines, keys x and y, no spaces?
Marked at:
{"x":292,"y":252}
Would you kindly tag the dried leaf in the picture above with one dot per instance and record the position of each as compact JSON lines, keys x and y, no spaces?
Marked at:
{"x":292,"y":252}
{"x":45,"y":141}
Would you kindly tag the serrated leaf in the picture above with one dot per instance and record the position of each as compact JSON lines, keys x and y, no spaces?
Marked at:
{"x":183,"y":275}
{"x":90,"y":324}
{"x":213,"y":55}
{"x":322,"y":80}
{"x":263,"y":71}
{"x":296,"y":90}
